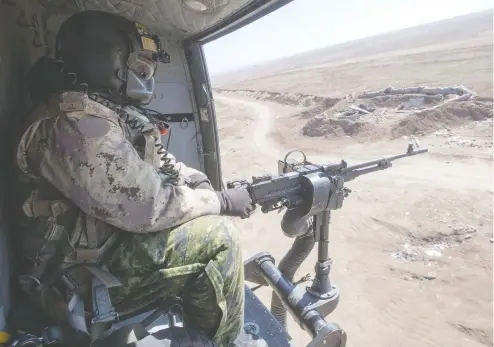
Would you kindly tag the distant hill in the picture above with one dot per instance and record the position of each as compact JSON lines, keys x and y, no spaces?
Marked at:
{"x":472,"y":30}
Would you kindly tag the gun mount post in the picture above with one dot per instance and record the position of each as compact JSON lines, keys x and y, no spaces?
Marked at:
{"x":322,"y":286}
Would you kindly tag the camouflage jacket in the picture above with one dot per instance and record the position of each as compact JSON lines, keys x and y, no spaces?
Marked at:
{"x":84,"y":152}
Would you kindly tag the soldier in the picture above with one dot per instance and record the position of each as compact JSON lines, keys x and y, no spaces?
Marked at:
{"x":97,"y":190}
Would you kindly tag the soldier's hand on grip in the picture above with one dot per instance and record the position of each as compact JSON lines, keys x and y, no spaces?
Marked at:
{"x":235,"y":202}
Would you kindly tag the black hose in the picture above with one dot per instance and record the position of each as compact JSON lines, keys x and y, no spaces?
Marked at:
{"x":300,"y":250}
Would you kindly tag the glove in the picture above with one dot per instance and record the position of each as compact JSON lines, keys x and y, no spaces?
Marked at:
{"x":198,"y":182}
{"x":235,"y":202}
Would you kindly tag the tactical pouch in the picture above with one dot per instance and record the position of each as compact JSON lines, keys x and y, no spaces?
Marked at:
{"x":60,"y":281}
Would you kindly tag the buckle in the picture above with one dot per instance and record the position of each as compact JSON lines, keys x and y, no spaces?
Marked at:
{"x":103,"y":310}
{"x":108,"y":317}
{"x":69,"y":281}
{"x":57,"y":208}
{"x":87,"y":254}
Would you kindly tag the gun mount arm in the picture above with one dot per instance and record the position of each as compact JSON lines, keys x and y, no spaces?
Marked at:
{"x":307,"y":309}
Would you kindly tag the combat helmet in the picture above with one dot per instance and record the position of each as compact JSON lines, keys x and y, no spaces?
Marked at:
{"x":111,"y":55}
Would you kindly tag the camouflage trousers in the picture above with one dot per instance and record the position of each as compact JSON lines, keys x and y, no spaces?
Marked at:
{"x":200,"y":261}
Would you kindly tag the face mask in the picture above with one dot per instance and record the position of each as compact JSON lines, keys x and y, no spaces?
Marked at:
{"x":139,"y":89}
{"x":142,"y":67}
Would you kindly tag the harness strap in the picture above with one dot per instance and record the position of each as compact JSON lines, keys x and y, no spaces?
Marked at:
{"x":102,"y":308}
{"x":34,"y":208}
{"x":95,"y":255}
{"x":92,"y":239}
{"x":77,"y":314}
{"x":91,"y":252}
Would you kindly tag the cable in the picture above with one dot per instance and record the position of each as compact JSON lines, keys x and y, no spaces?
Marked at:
{"x":153,"y":114}
{"x":168,"y":167}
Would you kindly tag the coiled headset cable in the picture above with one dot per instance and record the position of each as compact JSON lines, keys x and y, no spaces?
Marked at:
{"x":168,"y":166}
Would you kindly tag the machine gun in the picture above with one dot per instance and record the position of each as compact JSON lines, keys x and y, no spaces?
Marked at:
{"x":309,"y":193}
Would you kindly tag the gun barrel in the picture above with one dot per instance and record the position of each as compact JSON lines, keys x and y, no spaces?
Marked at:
{"x":383,"y":160}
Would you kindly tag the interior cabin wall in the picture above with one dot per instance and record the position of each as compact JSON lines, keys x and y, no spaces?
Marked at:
{"x":16,"y":56}
{"x":174,"y":98}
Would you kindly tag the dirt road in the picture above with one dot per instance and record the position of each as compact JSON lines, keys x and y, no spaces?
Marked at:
{"x":411,"y":247}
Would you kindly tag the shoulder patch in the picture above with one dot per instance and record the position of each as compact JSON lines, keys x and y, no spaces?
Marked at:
{"x":73,"y":102}
{"x":79,"y":105}
{"x":92,"y":127}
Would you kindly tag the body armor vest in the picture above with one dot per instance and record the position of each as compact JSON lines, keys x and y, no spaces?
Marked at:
{"x":54,"y":235}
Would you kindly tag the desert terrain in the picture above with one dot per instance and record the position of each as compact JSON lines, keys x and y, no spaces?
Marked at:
{"x":412,"y":245}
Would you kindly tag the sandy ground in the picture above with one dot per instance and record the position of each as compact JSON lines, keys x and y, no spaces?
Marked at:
{"x":412,"y":245}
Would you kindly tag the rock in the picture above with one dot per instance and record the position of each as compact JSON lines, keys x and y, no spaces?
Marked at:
{"x":443,"y":133}
{"x":492,"y":240}
{"x":467,"y":229}
{"x":367,"y":107}
{"x":433,"y":252}
{"x":467,"y":237}
{"x":358,"y":109}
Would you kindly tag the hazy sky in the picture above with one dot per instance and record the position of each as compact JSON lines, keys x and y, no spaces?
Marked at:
{"x":304,"y":25}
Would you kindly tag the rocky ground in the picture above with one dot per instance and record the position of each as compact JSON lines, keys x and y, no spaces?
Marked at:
{"x":389,"y":113}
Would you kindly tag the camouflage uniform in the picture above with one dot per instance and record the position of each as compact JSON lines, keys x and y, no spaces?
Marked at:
{"x":80,"y":152}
